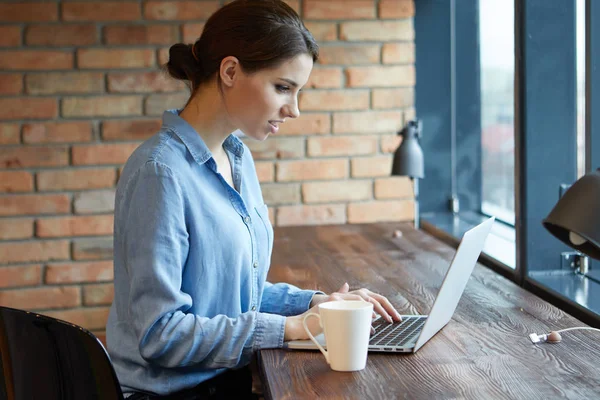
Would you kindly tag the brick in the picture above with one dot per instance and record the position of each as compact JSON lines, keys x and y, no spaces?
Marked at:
{"x":130,"y":129}
{"x":272,"y":215}
{"x":26,"y":157}
{"x":339,"y":9}
{"x":28,"y":108}
{"x":9,"y":134}
{"x":57,"y":132}
{"x":115,"y":58}
{"x":32,"y":60}
{"x":96,"y":295}
{"x":321,"y":78}
{"x":350,"y":54}
{"x":381,"y":211}
{"x":377,"y":30}
{"x":281,"y":193}
{"x":17,"y":181}
{"x":398,"y":53}
{"x":156,"y":104}
{"x":113,"y":153}
{"x":98,"y":201}
{"x":10,"y":36}
{"x":322,"y":31}
{"x":11,"y":83}
{"x":140,"y":34}
{"x":334,"y":100}
{"x":162,"y":55}
{"x":179,"y":10}
{"x":34,"y":204}
{"x":191,"y":32}
{"x":143,"y":82}
{"x":60,"y":35}
{"x":79,"y":272}
{"x":92,"y":225}
{"x":394,"y":187}
{"x":335,"y":192}
{"x":20,"y":275}
{"x":367,"y":122}
{"x":306,"y":124}
{"x":93,"y":249}
{"x":342,"y":146}
{"x":265,"y":170}
{"x":389,"y":143}
{"x":101,"y":11}
{"x":101,"y":106}
{"x":88,"y":318}
{"x":304,"y":170}
{"x":64,"y":82}
{"x":28,"y":12}
{"x":311,"y":215}
{"x":279,"y":148}
{"x":380,"y":76}
{"x":76,"y":179}
{"x":16,"y":228}
{"x":396,"y":8}
{"x":392,"y":98}
{"x":367,"y":167}
{"x":24,"y":252}
{"x":41,"y":298}
{"x":410,"y":114}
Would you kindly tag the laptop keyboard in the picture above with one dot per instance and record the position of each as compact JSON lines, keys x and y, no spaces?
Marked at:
{"x":397,"y":334}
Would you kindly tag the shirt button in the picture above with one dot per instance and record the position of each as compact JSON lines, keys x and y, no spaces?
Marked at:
{"x":253,"y":308}
{"x":255,"y":264}
{"x":247,"y":220}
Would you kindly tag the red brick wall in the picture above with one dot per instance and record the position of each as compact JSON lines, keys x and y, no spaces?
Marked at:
{"x":80,"y":89}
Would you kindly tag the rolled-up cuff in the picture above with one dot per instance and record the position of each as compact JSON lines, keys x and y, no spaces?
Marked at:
{"x":269,"y":331}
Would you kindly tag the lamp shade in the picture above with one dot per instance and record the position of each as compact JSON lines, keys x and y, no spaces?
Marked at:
{"x":575,"y":219}
{"x":408,"y":158}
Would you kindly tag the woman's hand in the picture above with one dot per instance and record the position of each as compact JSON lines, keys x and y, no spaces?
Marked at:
{"x":381,"y":305}
{"x":294,"y":330}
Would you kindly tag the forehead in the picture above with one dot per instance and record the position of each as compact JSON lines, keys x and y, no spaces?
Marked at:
{"x":297,"y":69}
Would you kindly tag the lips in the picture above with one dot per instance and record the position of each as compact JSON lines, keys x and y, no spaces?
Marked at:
{"x":274,"y":126}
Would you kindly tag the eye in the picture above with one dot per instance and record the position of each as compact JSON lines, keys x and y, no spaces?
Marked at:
{"x":282,"y":88}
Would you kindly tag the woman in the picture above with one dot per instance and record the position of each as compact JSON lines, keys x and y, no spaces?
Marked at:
{"x":192,"y":239}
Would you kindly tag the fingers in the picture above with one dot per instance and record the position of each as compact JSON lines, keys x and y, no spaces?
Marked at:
{"x":386,"y":305}
{"x":344,"y":289}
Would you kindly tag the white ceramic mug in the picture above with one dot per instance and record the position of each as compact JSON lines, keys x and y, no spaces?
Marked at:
{"x":347,"y":328}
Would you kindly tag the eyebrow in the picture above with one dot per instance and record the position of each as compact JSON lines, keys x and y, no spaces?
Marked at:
{"x":291,"y":82}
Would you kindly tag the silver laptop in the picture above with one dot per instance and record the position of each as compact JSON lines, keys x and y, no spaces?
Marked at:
{"x":414,"y":331}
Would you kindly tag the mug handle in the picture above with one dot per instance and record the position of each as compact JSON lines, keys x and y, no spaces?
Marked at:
{"x":325,"y":352}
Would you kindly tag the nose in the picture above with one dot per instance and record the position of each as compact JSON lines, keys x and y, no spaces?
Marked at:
{"x":291,"y":110}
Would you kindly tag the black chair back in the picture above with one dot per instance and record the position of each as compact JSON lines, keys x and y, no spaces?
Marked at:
{"x":45,"y":358}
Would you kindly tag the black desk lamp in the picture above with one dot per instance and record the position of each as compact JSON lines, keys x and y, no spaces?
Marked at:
{"x":575,"y":219}
{"x":408,"y":159}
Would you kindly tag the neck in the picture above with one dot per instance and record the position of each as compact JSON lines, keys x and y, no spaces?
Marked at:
{"x":207,"y":114}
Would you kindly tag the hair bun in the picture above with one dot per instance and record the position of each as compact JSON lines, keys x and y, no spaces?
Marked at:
{"x":182,"y":62}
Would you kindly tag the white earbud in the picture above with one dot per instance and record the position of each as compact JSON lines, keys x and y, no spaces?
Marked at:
{"x":554,"y":336}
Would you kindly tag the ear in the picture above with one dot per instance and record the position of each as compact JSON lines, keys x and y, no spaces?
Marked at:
{"x":229,"y":71}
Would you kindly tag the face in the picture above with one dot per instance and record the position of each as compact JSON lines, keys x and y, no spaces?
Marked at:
{"x":260,"y":102}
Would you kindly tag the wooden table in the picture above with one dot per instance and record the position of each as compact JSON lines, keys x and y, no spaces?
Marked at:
{"x":483,"y":353}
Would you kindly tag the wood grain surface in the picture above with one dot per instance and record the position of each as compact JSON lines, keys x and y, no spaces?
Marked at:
{"x":483,"y":353}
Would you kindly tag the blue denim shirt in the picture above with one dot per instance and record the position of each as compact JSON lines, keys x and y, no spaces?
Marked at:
{"x":191,"y":256}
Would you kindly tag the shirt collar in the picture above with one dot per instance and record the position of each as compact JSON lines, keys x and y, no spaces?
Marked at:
{"x":193,"y":141}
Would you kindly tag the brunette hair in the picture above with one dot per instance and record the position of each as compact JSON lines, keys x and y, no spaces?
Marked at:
{"x":259,"y":33}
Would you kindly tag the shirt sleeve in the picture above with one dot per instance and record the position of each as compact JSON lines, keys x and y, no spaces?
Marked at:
{"x":155,"y":250}
{"x":286,"y":299}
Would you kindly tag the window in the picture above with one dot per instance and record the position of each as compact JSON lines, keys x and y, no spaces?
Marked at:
{"x":497,"y":63}
{"x":507,"y":108}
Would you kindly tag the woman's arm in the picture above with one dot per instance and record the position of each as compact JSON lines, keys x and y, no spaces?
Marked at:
{"x":155,"y":248}
{"x":286,"y":299}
